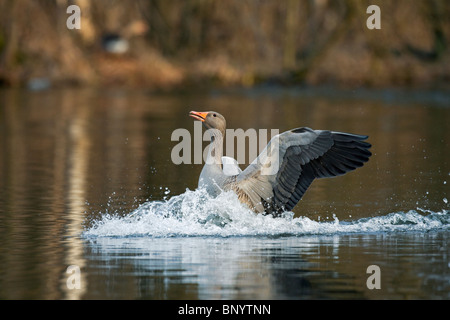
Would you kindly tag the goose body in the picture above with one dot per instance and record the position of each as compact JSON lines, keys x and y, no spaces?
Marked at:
{"x":278,"y":178}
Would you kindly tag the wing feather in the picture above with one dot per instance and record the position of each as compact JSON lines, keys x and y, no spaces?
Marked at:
{"x":300,"y":156}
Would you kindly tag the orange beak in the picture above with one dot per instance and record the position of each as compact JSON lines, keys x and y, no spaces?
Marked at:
{"x":198,"y":115}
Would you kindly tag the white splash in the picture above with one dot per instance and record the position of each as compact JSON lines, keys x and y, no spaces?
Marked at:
{"x":195,"y":213}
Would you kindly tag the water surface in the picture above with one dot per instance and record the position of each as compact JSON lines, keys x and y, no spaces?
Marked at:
{"x":86,"y":179}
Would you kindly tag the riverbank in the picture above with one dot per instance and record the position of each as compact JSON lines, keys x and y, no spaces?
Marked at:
{"x":206,"y":43}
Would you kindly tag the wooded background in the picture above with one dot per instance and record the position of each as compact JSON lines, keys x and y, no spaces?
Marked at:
{"x":179,"y":43}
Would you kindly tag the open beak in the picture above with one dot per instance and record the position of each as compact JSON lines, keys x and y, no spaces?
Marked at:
{"x":198,"y":115}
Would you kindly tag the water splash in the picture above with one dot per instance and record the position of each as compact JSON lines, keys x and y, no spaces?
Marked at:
{"x":195,"y":213}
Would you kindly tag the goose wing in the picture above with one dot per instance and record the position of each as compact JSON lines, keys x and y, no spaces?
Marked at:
{"x":279,"y":177}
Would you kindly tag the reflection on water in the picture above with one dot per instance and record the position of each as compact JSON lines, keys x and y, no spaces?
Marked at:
{"x":69,"y":156}
{"x":310,"y":267}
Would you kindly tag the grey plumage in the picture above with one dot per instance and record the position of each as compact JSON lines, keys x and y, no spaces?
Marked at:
{"x":279,"y":177}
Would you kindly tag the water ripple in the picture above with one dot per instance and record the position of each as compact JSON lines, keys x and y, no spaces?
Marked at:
{"x":194,"y":213}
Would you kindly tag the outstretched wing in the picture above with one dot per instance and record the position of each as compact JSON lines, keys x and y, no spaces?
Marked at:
{"x":276,"y":181}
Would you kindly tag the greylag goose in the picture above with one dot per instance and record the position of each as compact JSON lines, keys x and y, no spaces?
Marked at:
{"x":278,"y":178}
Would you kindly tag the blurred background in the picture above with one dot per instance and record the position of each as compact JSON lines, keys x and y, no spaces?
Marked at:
{"x":166,"y":44}
{"x":86,"y":118}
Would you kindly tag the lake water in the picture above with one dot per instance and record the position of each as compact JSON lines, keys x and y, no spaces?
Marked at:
{"x":87,"y":180}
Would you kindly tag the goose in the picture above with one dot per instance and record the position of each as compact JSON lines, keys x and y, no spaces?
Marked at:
{"x":279,"y":177}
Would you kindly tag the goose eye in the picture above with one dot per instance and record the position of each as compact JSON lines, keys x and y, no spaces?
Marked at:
{"x":214,"y":115}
